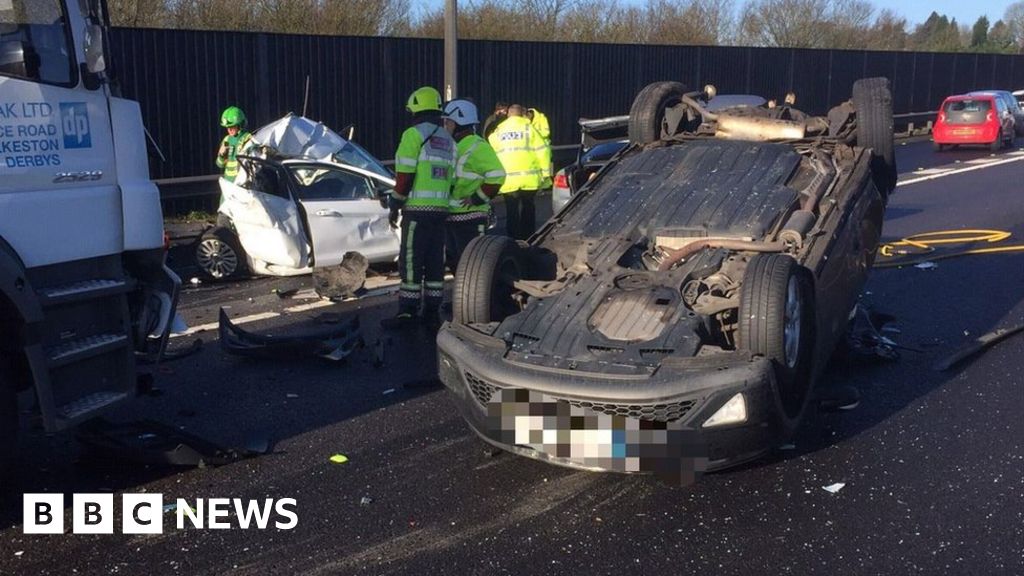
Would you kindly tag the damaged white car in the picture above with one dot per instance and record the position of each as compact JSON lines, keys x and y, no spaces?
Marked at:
{"x":304,"y":197}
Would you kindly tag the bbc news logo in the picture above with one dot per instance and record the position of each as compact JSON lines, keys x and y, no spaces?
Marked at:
{"x":144,"y":513}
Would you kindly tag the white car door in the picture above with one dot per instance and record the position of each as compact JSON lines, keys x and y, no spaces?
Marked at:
{"x":343,"y":213}
{"x":265,"y":217}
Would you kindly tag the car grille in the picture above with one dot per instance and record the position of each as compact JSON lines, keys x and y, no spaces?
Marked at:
{"x":669,"y":412}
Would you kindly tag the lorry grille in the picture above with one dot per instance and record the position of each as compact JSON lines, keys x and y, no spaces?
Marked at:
{"x":669,"y":412}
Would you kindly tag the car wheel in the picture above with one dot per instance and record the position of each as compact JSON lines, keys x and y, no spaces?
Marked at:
{"x":872,"y":100}
{"x":647,"y":114}
{"x":777,"y":321}
{"x":483,"y":282}
{"x":996,"y":144}
{"x":8,"y":423}
{"x":219,"y":254}
{"x":938,"y":147}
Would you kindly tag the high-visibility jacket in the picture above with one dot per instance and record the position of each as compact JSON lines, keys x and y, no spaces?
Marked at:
{"x":236,"y":145}
{"x":477,"y":164}
{"x":521,"y":151}
{"x":427,"y":150}
{"x":540,"y":124}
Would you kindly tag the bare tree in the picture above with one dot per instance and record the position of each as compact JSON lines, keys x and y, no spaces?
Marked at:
{"x":791,"y":23}
{"x":138,"y":13}
{"x":1013,"y":17}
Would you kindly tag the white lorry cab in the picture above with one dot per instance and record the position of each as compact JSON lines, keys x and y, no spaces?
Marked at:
{"x":84,"y":290}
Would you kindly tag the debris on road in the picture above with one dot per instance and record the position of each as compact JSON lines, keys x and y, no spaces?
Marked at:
{"x":286,"y":293}
{"x":981,"y":343}
{"x":338,"y":459}
{"x":150,"y":442}
{"x":365,"y":501}
{"x":865,"y":336}
{"x":195,"y":281}
{"x":388,"y":391}
{"x":926,"y":265}
{"x":833,"y":488}
{"x":335,"y":342}
{"x":292,"y":396}
{"x":341,"y":281}
{"x":787,"y":447}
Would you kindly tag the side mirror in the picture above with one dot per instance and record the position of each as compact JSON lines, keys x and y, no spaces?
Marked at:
{"x":95,"y":59}
{"x":18,"y":59}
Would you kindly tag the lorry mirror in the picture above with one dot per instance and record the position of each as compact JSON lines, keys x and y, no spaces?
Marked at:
{"x":18,"y":59}
{"x":94,"y":54}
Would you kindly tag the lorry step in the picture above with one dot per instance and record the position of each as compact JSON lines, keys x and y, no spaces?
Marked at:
{"x":75,"y":350}
{"x":83,"y":290}
{"x":69,"y":414}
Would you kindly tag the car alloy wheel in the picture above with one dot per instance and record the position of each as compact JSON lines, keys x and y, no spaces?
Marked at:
{"x":216,"y":257}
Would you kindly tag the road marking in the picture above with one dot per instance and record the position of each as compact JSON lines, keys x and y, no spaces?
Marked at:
{"x":931,"y":171}
{"x":1016,"y":158}
{"x":214,"y":325}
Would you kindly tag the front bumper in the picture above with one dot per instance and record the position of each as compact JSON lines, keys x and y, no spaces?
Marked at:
{"x":677,"y":397}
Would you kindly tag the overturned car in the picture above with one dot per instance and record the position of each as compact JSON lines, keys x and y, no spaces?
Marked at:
{"x":304,"y":197}
{"x":683,"y":303}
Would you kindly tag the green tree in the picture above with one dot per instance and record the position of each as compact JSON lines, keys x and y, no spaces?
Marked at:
{"x":979,"y":33}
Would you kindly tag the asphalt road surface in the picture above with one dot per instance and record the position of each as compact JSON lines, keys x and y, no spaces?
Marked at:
{"x":932,"y":463}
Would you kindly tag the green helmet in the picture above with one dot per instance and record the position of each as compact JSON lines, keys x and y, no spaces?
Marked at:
{"x":232,"y":116}
{"x":423,"y":99}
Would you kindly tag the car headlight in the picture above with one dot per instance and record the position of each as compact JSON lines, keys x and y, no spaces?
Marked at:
{"x":732,"y":412}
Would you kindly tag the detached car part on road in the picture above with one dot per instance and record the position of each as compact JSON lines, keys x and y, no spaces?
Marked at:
{"x":304,"y":197}
{"x":683,"y":303}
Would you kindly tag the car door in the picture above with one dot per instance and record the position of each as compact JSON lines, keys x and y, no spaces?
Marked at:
{"x":343,"y":213}
{"x":264,"y":214}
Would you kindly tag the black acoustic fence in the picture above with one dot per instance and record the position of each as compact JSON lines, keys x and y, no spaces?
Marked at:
{"x":183,"y":79}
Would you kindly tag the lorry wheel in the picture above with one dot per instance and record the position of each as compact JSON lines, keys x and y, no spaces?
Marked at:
{"x":647,"y":114}
{"x":219,"y":254}
{"x":483,"y":282}
{"x":872,"y":100}
{"x":8,"y":422}
{"x":776,"y":320}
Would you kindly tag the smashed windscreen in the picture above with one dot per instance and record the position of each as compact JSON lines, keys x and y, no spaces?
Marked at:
{"x":299,"y":137}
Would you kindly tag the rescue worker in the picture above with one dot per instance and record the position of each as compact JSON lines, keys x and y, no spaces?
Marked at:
{"x":233,"y":120}
{"x":478,"y":177}
{"x":499,"y":114}
{"x":540,"y":123}
{"x":424,"y":173}
{"x":522,"y":153}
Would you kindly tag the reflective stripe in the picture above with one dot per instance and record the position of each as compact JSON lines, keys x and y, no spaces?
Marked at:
{"x":435,"y":285}
{"x":409,"y":274}
{"x":468,"y":217}
{"x":431,"y":194}
{"x":494,"y":174}
{"x":410,"y":286}
{"x":524,"y":173}
{"x":434,"y":293}
{"x":405,"y":161}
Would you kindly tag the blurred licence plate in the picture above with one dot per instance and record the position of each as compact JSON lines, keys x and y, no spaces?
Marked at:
{"x":583,"y":436}
{"x":964,"y":131}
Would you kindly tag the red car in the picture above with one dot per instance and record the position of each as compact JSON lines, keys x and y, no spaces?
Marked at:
{"x":981,"y":119}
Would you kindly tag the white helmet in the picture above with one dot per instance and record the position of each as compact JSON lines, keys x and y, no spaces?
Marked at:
{"x":462,"y":112}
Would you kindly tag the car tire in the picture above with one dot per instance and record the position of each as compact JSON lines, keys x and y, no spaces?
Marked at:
{"x":647,"y":113}
{"x":219,"y":254}
{"x":996,"y":144}
{"x":776,"y":320}
{"x":8,"y":423}
{"x":483,"y":282}
{"x":938,"y":147}
{"x":872,"y":100}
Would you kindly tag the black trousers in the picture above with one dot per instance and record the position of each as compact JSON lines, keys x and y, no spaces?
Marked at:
{"x":421,"y":261}
{"x":458,"y":234}
{"x":520,"y":213}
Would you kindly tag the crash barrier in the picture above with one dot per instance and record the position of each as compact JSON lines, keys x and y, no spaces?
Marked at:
{"x":181,"y":196}
{"x":183,"y":80}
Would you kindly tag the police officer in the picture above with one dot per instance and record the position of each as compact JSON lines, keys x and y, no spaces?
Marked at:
{"x":424,"y":173}
{"x":233,"y":120}
{"x":478,"y":177}
{"x":522,"y":153}
{"x":540,"y":123}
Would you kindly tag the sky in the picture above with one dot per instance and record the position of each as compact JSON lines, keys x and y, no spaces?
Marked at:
{"x":915,"y":11}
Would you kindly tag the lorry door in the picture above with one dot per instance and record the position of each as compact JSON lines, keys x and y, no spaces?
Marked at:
{"x":56,"y":149}
{"x":343,"y":213}
{"x":266,"y":218}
